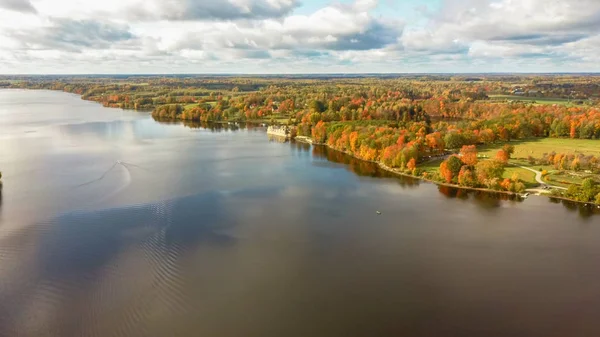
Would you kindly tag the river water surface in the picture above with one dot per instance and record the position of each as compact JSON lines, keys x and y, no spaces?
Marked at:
{"x":113,"y":224}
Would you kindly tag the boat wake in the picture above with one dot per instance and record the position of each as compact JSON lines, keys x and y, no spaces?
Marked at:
{"x":127,"y":181}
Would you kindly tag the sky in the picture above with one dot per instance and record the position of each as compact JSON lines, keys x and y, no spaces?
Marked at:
{"x":298,"y":36}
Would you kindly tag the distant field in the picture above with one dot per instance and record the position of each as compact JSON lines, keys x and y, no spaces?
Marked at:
{"x":537,"y":147}
{"x":539,"y":100}
{"x":192,"y":105}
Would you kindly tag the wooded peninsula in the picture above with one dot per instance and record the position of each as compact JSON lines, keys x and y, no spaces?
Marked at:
{"x":499,"y":132}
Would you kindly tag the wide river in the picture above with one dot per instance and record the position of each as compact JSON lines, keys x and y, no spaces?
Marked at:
{"x":113,"y":224}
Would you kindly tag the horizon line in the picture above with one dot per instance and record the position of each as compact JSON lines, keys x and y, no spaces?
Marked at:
{"x":307,"y":74}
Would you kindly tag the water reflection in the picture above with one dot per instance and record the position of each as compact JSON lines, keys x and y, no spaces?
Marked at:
{"x":584,"y":210}
{"x":359,"y":167}
{"x":300,"y":146}
{"x":217,"y":127}
{"x":484,"y":198}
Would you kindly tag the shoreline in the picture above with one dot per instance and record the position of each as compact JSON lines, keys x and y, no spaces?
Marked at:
{"x":437,"y":183}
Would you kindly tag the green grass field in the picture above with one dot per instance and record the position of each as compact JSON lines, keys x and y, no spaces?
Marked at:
{"x":431,"y":167}
{"x":526,"y":176}
{"x":537,"y":147}
{"x":538,"y":100}
{"x":191,"y":105}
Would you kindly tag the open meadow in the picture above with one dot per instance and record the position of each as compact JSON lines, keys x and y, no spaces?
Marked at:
{"x":539,"y":146}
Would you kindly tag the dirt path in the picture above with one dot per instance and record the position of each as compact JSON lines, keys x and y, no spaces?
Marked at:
{"x":538,"y":178}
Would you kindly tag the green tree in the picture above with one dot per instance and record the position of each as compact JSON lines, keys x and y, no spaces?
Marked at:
{"x":588,"y":189}
{"x":317,"y":106}
{"x":315,"y":118}
{"x":489,"y":169}
{"x":454,"y":164}
{"x":454,"y":140}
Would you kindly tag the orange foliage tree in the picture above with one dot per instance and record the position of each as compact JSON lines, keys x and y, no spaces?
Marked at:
{"x":450,"y":168}
{"x":412,"y":164}
{"x":468,"y":155}
{"x":319,"y":133}
{"x":502,"y":156}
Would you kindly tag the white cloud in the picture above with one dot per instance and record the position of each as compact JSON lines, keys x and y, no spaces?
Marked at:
{"x":23,"y":6}
{"x":242,"y":35}
{"x":527,"y":22}
{"x":169,"y":10}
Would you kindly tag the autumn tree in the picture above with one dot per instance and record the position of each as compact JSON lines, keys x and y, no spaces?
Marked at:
{"x":468,"y":155}
{"x":488,"y":170}
{"x":509,"y":149}
{"x":576,"y":164}
{"x":450,"y":168}
{"x":319,"y":133}
{"x":466,"y":177}
{"x":502,"y":156}
{"x":286,"y":106}
{"x":435,"y":142}
{"x":412,"y":164}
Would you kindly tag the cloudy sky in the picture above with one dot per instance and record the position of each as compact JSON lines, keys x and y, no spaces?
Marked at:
{"x":298,"y":36}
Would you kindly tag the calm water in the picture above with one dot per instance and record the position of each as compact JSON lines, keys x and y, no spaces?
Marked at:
{"x":113,"y":224}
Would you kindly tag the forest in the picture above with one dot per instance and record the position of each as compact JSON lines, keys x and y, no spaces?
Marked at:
{"x":474,"y":131}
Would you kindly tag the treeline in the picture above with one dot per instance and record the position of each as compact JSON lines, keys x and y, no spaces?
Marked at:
{"x":589,"y":191}
{"x":560,"y":161}
{"x":467,"y":170}
{"x":405,"y":146}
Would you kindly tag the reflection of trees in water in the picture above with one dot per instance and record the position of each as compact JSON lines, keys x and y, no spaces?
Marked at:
{"x":360,"y":167}
{"x":300,"y":146}
{"x":488,"y":200}
{"x":584,"y":210}
{"x":491,"y":200}
{"x":216,"y":127}
{"x":0,"y":196}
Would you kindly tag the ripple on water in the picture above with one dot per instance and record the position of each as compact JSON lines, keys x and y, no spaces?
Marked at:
{"x":106,"y":272}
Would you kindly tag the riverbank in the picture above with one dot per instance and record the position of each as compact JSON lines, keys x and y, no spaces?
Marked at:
{"x":438,"y":183}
